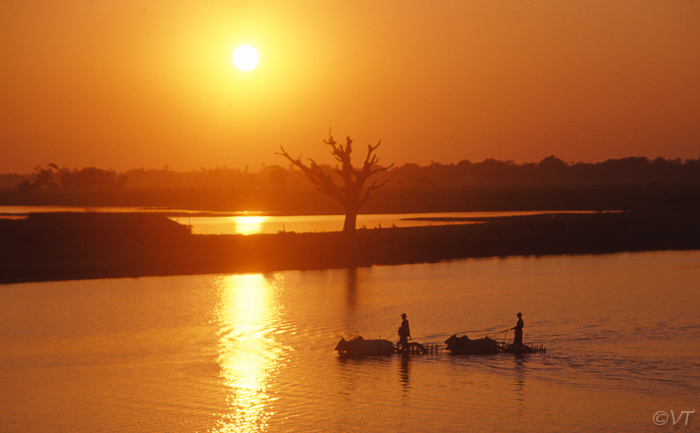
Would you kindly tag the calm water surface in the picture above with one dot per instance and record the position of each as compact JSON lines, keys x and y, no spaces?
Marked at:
{"x":247,"y":223}
{"x":254,"y":224}
{"x":254,"y":353}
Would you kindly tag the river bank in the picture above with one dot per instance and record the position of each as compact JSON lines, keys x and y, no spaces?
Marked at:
{"x":67,"y":246}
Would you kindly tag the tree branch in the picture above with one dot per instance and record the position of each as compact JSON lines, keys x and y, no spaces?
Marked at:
{"x":371,"y":188}
{"x":316,"y":175}
{"x":371,"y":149}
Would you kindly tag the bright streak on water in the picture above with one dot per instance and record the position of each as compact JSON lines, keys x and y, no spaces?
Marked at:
{"x":247,"y":225}
{"x":255,"y":224}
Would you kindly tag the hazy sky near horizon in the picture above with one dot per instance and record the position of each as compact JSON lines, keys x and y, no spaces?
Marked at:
{"x":127,"y":84}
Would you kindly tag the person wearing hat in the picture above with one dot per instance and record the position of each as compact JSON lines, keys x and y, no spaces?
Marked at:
{"x":404,"y":332}
{"x":518,"y":340}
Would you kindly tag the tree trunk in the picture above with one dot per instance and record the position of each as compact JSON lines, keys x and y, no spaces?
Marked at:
{"x":350,"y":221}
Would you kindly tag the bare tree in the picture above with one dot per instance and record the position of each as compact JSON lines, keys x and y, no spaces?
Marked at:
{"x":352,"y":193}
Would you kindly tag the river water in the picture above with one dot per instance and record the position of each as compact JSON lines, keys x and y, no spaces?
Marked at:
{"x":247,"y":223}
{"x":255,"y":224}
{"x":254,"y":353}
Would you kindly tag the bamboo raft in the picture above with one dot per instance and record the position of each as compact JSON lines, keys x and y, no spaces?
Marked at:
{"x":433,"y":348}
{"x":520,"y":348}
{"x":418,"y":349}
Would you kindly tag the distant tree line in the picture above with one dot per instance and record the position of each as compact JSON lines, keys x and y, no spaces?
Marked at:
{"x":90,"y":178}
{"x":550,"y":170}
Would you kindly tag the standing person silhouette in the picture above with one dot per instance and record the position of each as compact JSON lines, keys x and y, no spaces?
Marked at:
{"x":518,"y":340}
{"x":404,"y":332}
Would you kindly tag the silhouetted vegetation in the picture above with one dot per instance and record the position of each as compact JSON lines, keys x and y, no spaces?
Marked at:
{"x":628,"y":183}
{"x":550,"y":170}
{"x":665,"y":197}
{"x":352,"y":194}
{"x":43,"y":178}
{"x":93,"y":178}
{"x":90,"y":178}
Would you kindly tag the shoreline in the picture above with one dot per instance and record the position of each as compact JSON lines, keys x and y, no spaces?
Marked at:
{"x":78,"y":246}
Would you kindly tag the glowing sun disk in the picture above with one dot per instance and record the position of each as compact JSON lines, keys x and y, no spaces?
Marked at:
{"x":246,"y":58}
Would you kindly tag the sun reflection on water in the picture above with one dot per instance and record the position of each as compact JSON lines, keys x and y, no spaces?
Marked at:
{"x":249,"y":356}
{"x":248,"y":225}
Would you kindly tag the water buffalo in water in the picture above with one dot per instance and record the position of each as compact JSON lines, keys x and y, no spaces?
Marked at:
{"x":360,"y":347}
{"x":467,"y":346}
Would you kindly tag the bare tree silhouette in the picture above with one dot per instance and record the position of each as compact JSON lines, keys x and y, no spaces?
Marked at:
{"x":352,"y":194}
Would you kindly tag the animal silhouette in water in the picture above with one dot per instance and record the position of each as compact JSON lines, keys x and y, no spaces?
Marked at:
{"x":360,"y":347}
{"x":467,"y":346}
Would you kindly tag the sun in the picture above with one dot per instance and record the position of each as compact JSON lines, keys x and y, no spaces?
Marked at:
{"x":246,"y":58}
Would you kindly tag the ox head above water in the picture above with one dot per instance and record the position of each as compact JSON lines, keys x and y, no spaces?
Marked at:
{"x":454,"y":339}
{"x":343,"y":345}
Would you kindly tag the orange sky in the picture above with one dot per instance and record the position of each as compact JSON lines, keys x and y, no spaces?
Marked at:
{"x":133,"y":83}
